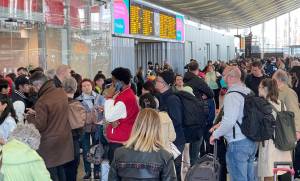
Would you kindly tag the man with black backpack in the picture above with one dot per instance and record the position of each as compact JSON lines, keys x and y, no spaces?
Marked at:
{"x":205,"y":96}
{"x":171,"y":104}
{"x":241,"y":150}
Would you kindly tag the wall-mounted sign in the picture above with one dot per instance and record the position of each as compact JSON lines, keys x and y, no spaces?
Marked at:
{"x":141,"y":20}
{"x":121,"y":16}
{"x":180,"y":28}
{"x":148,"y":21}
{"x":167,"y":26}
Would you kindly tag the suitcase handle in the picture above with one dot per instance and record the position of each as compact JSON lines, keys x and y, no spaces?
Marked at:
{"x":276,"y":164}
{"x":289,"y":170}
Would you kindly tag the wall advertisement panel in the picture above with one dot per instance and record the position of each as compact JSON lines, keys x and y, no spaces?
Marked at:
{"x":121,"y":17}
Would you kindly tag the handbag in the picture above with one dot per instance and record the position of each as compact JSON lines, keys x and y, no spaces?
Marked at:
{"x":174,"y":150}
{"x":95,"y":154}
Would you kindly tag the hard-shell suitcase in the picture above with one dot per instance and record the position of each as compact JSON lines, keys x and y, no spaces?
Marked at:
{"x":207,"y":168}
{"x":283,"y":166}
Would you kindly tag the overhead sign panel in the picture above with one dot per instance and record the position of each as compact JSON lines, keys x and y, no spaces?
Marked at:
{"x":121,"y":16}
{"x":140,"y":19}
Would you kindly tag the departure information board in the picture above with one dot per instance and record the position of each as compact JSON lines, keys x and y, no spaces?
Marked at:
{"x":167,"y":26}
{"x":138,"y":19}
{"x":141,"y":20}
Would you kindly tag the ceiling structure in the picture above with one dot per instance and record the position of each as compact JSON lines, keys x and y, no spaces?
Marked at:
{"x":231,"y":13}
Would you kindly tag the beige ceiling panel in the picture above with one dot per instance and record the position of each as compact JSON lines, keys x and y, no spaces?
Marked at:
{"x":231,"y":13}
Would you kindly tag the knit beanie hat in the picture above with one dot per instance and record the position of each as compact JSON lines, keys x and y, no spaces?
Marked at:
{"x":168,"y":76}
{"x":21,"y":80}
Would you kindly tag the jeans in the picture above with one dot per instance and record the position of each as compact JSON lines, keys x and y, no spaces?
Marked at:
{"x":57,"y":173}
{"x":195,"y":151}
{"x":71,"y":168}
{"x":86,"y":144}
{"x":178,"y":162}
{"x":240,"y":156}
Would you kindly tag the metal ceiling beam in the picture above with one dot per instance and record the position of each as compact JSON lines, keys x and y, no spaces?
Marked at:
{"x":231,"y":13}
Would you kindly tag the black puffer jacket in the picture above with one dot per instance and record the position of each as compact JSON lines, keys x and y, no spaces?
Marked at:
{"x":198,"y":85}
{"x":130,"y":165}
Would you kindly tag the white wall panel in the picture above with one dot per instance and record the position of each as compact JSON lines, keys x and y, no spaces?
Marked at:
{"x":199,"y":38}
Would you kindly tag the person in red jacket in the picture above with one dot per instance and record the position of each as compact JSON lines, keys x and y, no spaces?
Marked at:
{"x":121,"y":110}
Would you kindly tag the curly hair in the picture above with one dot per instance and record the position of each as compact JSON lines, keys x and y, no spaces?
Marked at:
{"x":27,"y":134}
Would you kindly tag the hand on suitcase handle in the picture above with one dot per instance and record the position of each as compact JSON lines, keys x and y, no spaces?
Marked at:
{"x":289,"y":170}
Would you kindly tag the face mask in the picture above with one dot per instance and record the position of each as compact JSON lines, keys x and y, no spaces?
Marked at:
{"x":118,"y":86}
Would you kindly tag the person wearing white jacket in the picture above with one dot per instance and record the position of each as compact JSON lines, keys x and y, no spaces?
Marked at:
{"x":8,"y":118}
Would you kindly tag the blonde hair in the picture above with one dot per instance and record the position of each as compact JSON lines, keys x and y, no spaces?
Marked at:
{"x":146,"y":132}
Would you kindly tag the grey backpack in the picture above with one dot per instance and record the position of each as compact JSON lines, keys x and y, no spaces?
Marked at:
{"x":285,"y":130}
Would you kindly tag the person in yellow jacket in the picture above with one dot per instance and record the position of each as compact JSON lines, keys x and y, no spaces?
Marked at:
{"x":20,"y":161}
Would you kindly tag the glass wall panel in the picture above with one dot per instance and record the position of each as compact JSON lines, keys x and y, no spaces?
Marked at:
{"x":282,"y":31}
{"x":18,"y":46}
{"x":269,"y":35}
{"x":54,"y":47}
{"x":295,"y":27}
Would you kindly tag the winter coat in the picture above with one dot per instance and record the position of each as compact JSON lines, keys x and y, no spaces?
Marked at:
{"x":198,"y":85}
{"x":19,"y":96}
{"x":168,"y":131}
{"x":290,"y":100}
{"x":171,"y":104}
{"x":51,"y":120}
{"x":21,"y":163}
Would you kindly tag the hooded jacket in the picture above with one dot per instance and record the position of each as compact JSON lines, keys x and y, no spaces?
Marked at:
{"x":22,"y":163}
{"x":198,"y":85}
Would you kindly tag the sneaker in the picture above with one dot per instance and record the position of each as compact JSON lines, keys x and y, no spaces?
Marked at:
{"x":87,"y":176}
{"x":96,"y":176}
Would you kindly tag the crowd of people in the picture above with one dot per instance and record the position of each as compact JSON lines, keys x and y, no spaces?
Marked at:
{"x":144,"y":124}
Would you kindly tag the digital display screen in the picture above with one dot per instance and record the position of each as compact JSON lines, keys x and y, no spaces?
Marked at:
{"x":141,"y":20}
{"x":167,"y":26}
{"x":135,"y":18}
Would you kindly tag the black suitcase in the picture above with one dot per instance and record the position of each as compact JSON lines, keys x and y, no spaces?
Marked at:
{"x":207,"y":168}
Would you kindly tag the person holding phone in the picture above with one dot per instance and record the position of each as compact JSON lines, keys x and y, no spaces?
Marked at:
{"x":92,"y":103}
{"x":120,"y":110}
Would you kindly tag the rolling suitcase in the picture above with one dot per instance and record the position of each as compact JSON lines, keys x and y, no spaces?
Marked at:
{"x":207,"y":168}
{"x":278,"y":167}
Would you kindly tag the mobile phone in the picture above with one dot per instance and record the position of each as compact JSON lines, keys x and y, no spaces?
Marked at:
{"x":118,"y":86}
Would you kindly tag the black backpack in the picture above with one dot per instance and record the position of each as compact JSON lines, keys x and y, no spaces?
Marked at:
{"x":258,"y":122}
{"x":193,"y":115}
{"x":285,"y":131}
